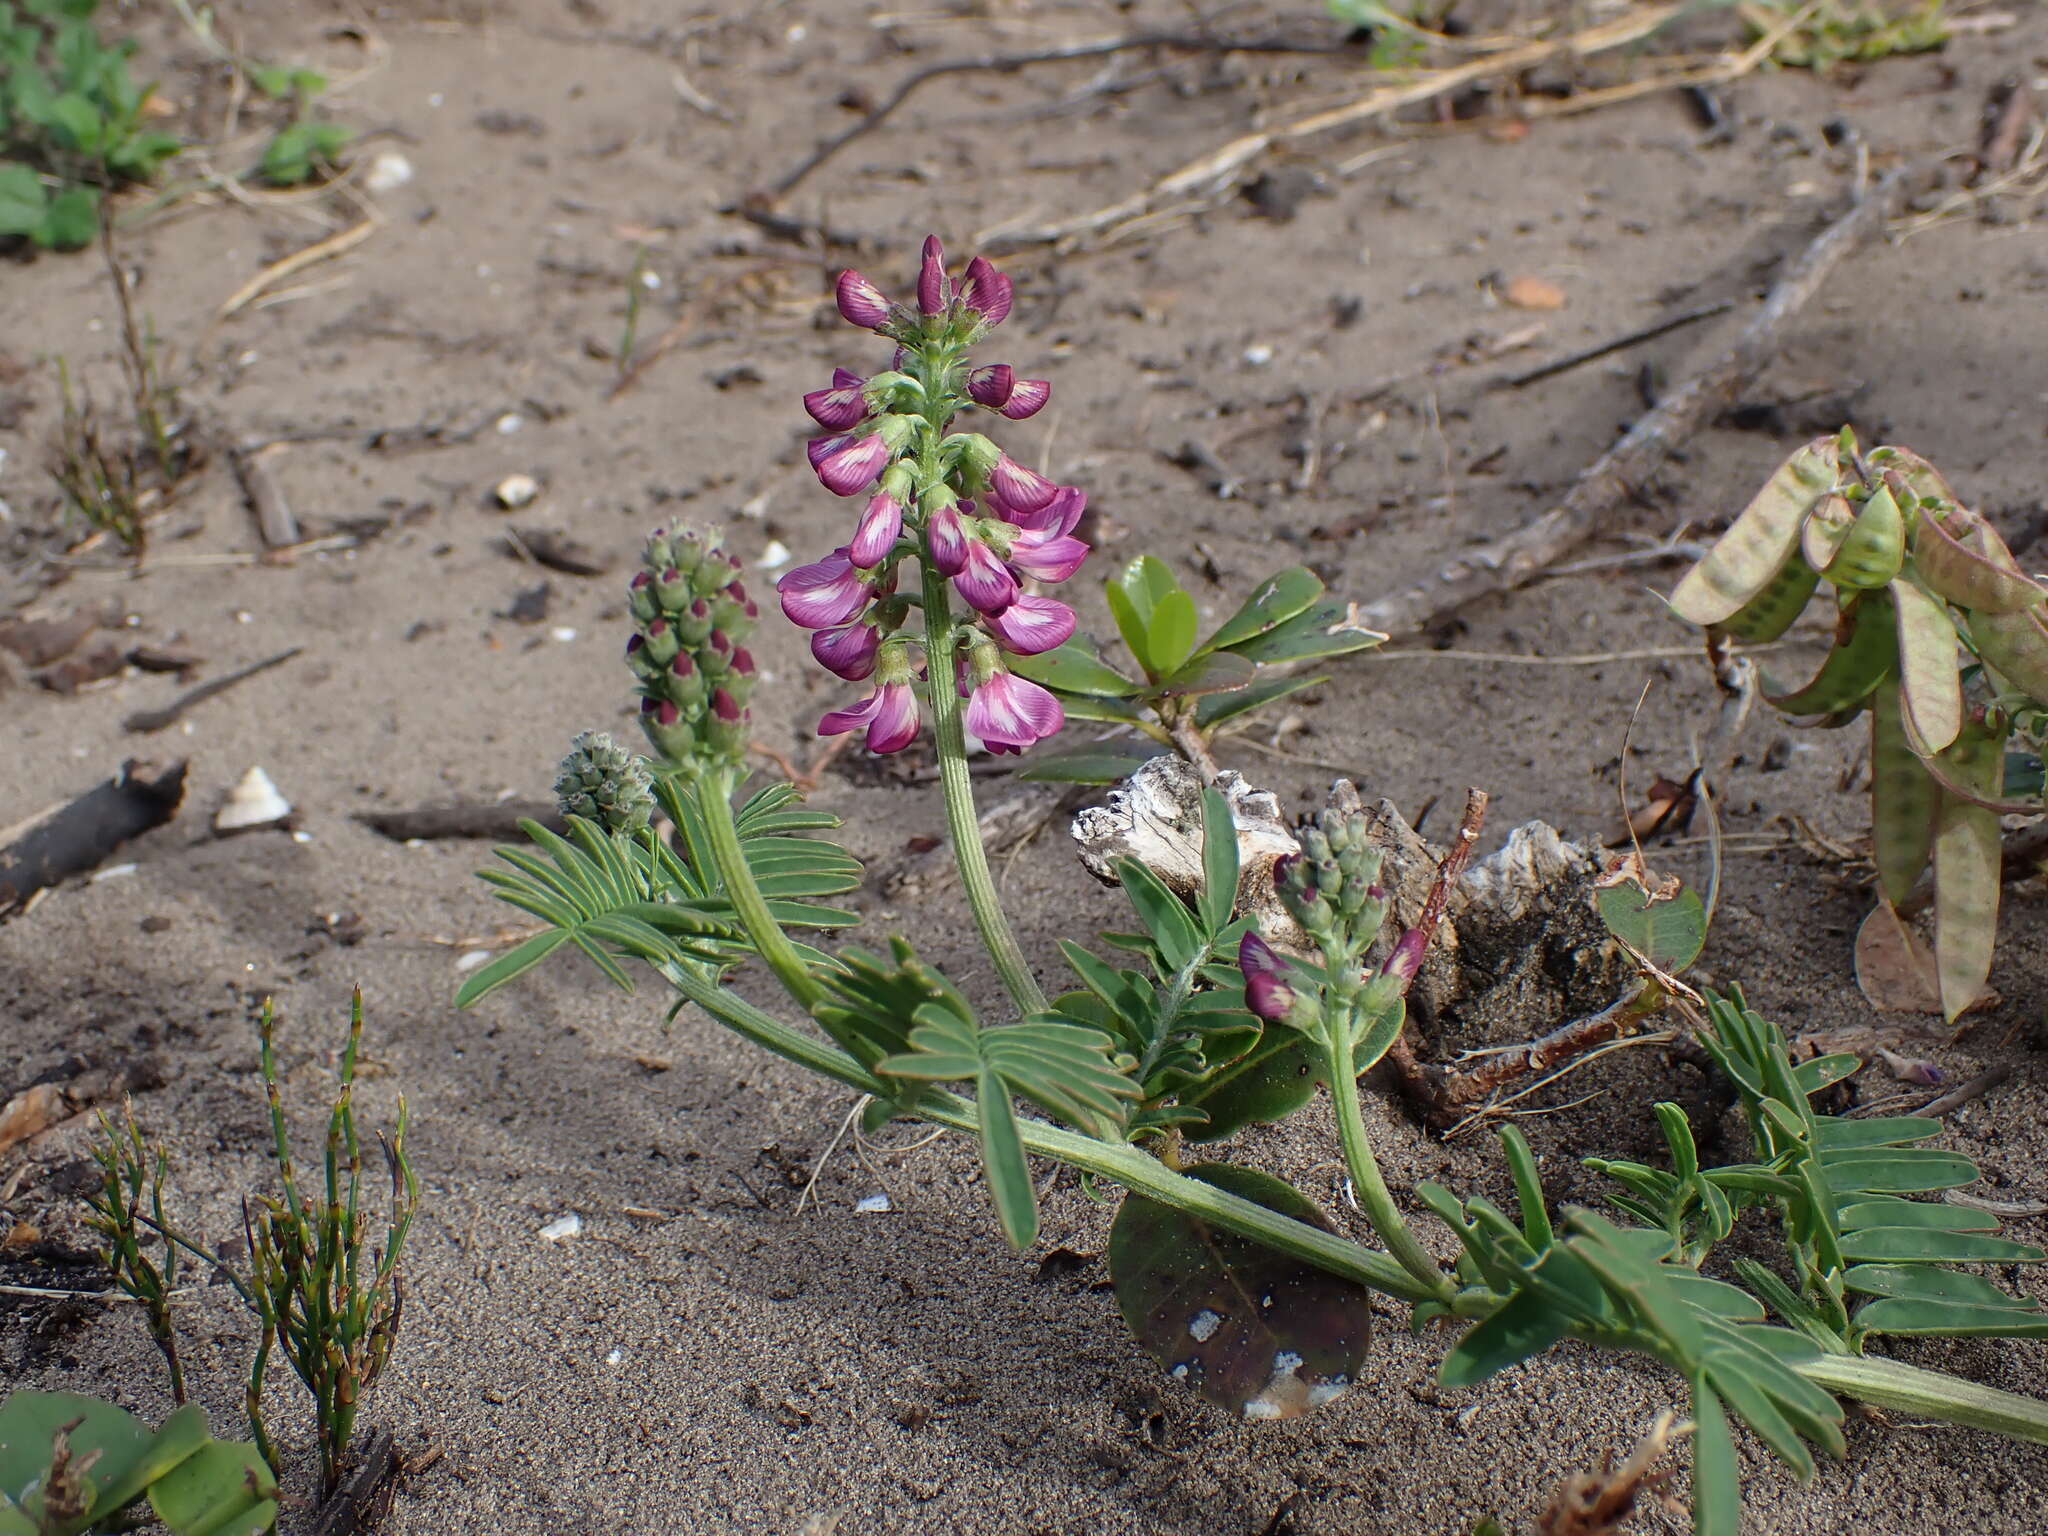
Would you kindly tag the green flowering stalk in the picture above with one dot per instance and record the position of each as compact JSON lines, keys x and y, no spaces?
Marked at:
{"x":691,"y":616}
{"x":602,"y":782}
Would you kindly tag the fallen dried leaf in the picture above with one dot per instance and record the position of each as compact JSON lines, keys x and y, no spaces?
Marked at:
{"x":1895,"y":966}
{"x":1533,"y":293}
{"x":31,"y":1112}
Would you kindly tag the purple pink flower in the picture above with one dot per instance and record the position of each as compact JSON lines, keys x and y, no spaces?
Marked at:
{"x":861,"y":302}
{"x":843,"y":405}
{"x":932,"y":294}
{"x":1031,"y":625}
{"x":824,"y":594}
{"x":1008,"y":713}
{"x":889,"y":713}
{"x":852,"y":467}
{"x":1266,"y":991}
{"x":984,"y":581}
{"x":986,"y":289}
{"x":1026,"y":398}
{"x":880,"y":526}
{"x":848,"y":651}
{"x":990,"y":387}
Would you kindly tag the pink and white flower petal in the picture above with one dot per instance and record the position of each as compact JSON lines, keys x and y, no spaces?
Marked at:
{"x":1027,"y":399}
{"x":984,"y":581}
{"x":824,"y":594}
{"x":1032,"y":625}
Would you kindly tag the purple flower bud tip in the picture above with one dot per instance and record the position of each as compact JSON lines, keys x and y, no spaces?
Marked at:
{"x":698,"y":609}
{"x":720,"y":643}
{"x":992,"y":386}
{"x":725,"y":706}
{"x":849,"y":651}
{"x":861,"y":302}
{"x":640,"y":582}
{"x":665,"y":713}
{"x":1375,"y":893}
{"x":987,"y":290}
{"x":931,"y":277}
{"x":1266,"y":991}
{"x":743,"y":661}
{"x":636,"y":644}
{"x":682,"y":666}
{"x":1027,"y":399}
{"x":841,"y":406}
{"x":1025,"y":489}
{"x":1405,"y":963}
{"x":737,"y":592}
{"x":753,"y":609}
{"x":852,"y":469}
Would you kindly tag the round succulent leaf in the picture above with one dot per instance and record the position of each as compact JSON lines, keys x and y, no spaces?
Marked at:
{"x":1751,"y":554}
{"x":1668,"y":933}
{"x":1253,"y":1331}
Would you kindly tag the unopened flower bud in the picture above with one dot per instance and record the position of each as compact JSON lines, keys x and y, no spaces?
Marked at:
{"x":985,"y":289}
{"x":660,"y":637}
{"x":672,"y":592}
{"x":602,"y":782}
{"x":992,"y":386}
{"x":946,"y":541}
{"x":1267,"y":991}
{"x":640,"y":597}
{"x":931,"y":278}
{"x":672,"y":734}
{"x":861,"y":302}
{"x":1027,"y":398}
{"x":881,"y":524}
{"x":849,"y":470}
{"x":693,"y":624}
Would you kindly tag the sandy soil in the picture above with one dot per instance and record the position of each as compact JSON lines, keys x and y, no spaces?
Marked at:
{"x":729,"y":1364}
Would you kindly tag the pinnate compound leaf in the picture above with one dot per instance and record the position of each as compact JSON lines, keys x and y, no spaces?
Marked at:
{"x":1254,"y":1331}
{"x":1527,"y":1325}
{"x":1716,"y":1475}
{"x":1745,"y":559}
{"x":1273,"y":602}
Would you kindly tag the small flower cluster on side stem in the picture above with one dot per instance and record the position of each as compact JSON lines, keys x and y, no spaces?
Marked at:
{"x":692,"y":617}
{"x":953,"y":501}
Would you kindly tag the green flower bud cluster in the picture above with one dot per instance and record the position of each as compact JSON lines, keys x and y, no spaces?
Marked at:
{"x":602,"y":782}
{"x":1332,"y":886}
{"x":691,"y":617}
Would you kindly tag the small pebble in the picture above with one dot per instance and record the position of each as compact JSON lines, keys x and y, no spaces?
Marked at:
{"x":516,"y":491}
{"x":1533,"y":293}
{"x":774,"y":557}
{"x":873,"y":1205}
{"x":475,"y":957}
{"x":388,"y":172}
{"x":561,"y":1227}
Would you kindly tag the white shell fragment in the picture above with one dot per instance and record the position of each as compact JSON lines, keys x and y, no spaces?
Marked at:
{"x":872,"y":1205}
{"x":516,"y":491}
{"x":388,"y":172}
{"x":562,"y":1227}
{"x":254,"y":802}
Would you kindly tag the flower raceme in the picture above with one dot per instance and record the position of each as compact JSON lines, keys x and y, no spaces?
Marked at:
{"x":953,"y":500}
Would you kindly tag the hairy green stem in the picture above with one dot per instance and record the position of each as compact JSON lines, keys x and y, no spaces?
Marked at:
{"x":961,"y":823}
{"x":714,"y":803}
{"x":1367,"y":1181}
{"x":1894,"y":1384}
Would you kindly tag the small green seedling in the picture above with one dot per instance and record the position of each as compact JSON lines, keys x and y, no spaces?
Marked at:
{"x":1915,"y":576}
{"x":1187,"y":688}
{"x":130,"y":1171}
{"x":72,"y":1465}
{"x":1830,"y":32}
{"x":71,"y":123}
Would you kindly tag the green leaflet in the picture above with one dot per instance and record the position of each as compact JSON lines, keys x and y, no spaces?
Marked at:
{"x":1866,"y":645}
{"x":1968,"y":563}
{"x":1273,"y":602}
{"x":1903,"y":799}
{"x":1754,"y":552}
{"x":1967,"y":869}
{"x":1874,"y":551}
{"x":1075,"y":667}
{"x":1929,"y":684}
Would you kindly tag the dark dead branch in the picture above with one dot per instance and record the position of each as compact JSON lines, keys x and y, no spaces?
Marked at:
{"x":1618,"y":475}
{"x":139,"y":798}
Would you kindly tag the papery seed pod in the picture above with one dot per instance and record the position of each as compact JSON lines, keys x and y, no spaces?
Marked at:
{"x":1755,"y":548}
{"x":986,"y":290}
{"x":931,"y":278}
{"x":1027,"y":399}
{"x":860,"y":302}
{"x":992,"y":386}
